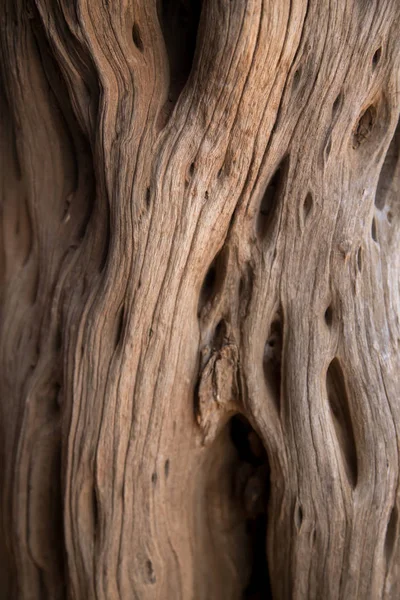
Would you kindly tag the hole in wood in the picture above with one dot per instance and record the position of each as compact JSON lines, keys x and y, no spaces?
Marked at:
{"x":376,"y":58}
{"x":272,"y":196}
{"x":246,"y":285}
{"x":151,"y":576}
{"x":95,"y":509}
{"x":328,"y":148}
{"x":329,"y":316}
{"x":359,"y":259}
{"x":190,"y":173}
{"x":259,"y":585}
{"x":220,"y":335}
{"x":137,"y":38}
{"x":179,"y":23}
{"x":298,"y":515}
{"x":373,"y":230}
{"x":272,"y":360}
{"x":296,"y":79}
{"x":391,"y":533}
{"x":341,"y":417}
{"x":212,"y":283}
{"x":208,"y":286}
{"x":252,"y":487}
{"x":307,"y":206}
{"x":337,"y":105}
{"x":248,"y":444}
{"x":388,"y":171}
{"x":148,"y":197}
{"x":166,"y":468}
{"x":364,"y":126}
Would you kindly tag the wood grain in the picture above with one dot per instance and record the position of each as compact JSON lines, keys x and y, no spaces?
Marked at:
{"x":200,"y":266}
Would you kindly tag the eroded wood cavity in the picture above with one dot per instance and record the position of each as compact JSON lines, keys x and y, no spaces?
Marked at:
{"x":199,"y":263}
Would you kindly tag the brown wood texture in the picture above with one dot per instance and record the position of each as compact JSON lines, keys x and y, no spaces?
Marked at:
{"x":200,"y":299}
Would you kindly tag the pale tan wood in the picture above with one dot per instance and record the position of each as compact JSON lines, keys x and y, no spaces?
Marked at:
{"x":200,"y":335}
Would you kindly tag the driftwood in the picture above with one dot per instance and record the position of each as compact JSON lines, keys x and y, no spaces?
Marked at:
{"x":200,"y":266}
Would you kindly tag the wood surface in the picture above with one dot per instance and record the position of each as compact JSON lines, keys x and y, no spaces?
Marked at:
{"x":200,"y":299}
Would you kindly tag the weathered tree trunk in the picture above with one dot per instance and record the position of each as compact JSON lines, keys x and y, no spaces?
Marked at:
{"x":200,"y":266}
